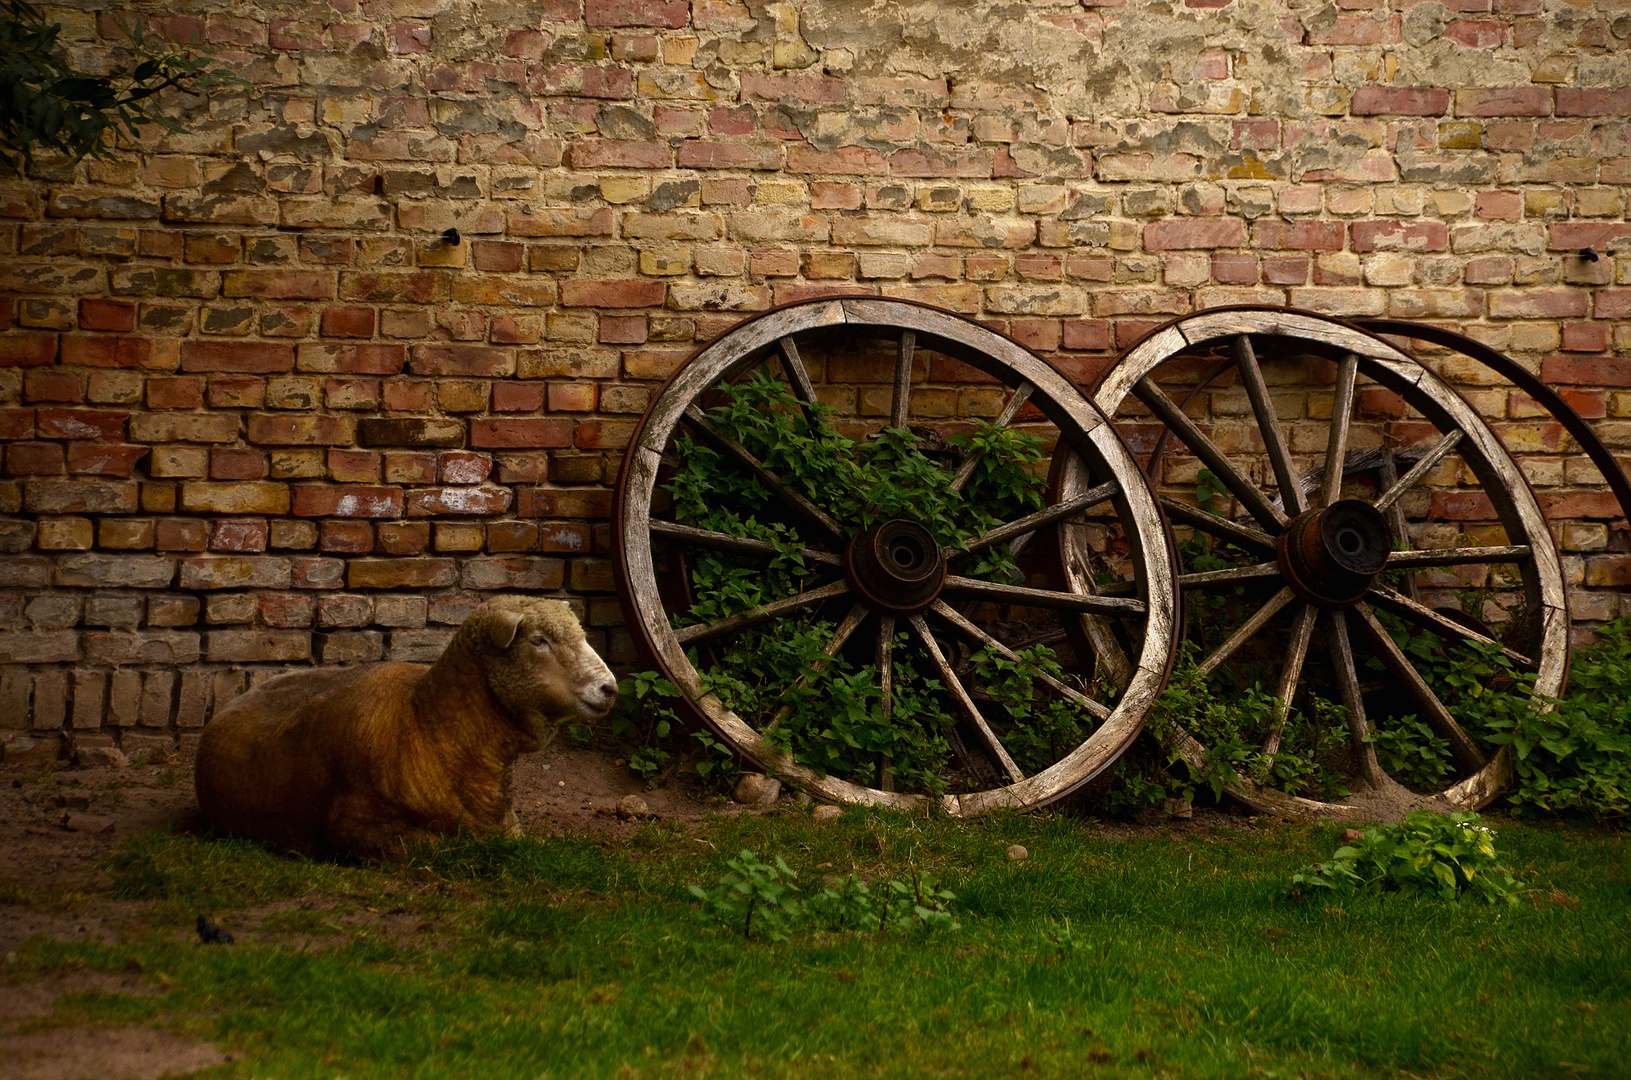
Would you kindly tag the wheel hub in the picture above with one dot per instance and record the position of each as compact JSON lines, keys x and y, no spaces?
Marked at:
{"x":1331,"y":555}
{"x":895,"y":566}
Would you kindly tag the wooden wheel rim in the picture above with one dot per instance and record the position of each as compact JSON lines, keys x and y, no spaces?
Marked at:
{"x":1503,"y":482}
{"x":1080,"y":425}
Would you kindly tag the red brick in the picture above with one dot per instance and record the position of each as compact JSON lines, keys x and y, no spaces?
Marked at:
{"x":457,"y":501}
{"x":1183,"y":234}
{"x":619,"y":154}
{"x":1476,"y":33}
{"x":572,"y":397}
{"x":1612,"y":304}
{"x":1586,"y":371}
{"x":346,"y":537}
{"x":239,"y":535}
{"x":517,"y":396}
{"x":664,"y":14}
{"x":1234,"y":269}
{"x":53,"y":386}
{"x":278,"y":284}
{"x":603,"y":435}
{"x":1462,"y":506}
{"x":347,"y":501}
{"x":16,"y":423}
{"x":1504,"y":101}
{"x":35,"y":459}
{"x":420,"y":573}
{"x":1585,"y":337}
{"x":623,"y":330}
{"x":1399,"y":101}
{"x":274,"y":429}
{"x":1038,"y":335}
{"x":247,"y":356}
{"x":106,"y":351}
{"x":809,"y":88}
{"x":1538,"y":303}
{"x":592,"y":503}
{"x":1574,"y":235}
{"x":1580,"y":504}
{"x":1399,"y":236}
{"x":1584,"y":101}
{"x":33,"y":350}
{"x":354,"y":466}
{"x":348,"y":322}
{"x":115,"y":315}
{"x":402,"y":537}
{"x":707,"y":154}
{"x":352,"y":359}
{"x":234,"y":463}
{"x":848,"y":160}
{"x":101,"y":424}
{"x":175,"y":393}
{"x":237,"y":392}
{"x":1299,"y":235}
{"x":498,"y":256}
{"x":410,"y":467}
{"x":181,"y":534}
{"x":461,"y":360}
{"x":104,"y":459}
{"x":521,"y":433}
{"x":1090,"y":335}
{"x":464,"y":467}
{"x":631,"y":293}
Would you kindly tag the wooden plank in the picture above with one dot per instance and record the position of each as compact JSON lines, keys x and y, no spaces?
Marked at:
{"x":809,"y":598}
{"x":1042,"y":598}
{"x":725,"y":542}
{"x":1032,"y":522}
{"x":900,"y":403}
{"x":1460,"y":556}
{"x":1336,"y":447}
{"x":1424,"y":616}
{"x":1197,"y":443}
{"x":1353,"y":703}
{"x":1397,"y":489}
{"x":1214,"y":579}
{"x":884,"y":657}
{"x":1291,"y":673}
{"x":1387,"y":474}
{"x":841,"y":634}
{"x":1069,"y":693}
{"x":1016,"y":401}
{"x":798,"y":376}
{"x":954,"y":686}
{"x":1462,"y":748}
{"x":1224,"y":529}
{"x":794,"y":501}
{"x":1268,"y":422}
{"x":1247,"y":630}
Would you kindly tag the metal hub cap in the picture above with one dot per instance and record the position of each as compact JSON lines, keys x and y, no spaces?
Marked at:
{"x":1330,"y":556}
{"x":895,"y":566}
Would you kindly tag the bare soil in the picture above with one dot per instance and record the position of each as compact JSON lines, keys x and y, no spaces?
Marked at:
{"x":56,"y":826}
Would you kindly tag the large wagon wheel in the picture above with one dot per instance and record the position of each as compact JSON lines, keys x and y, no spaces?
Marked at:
{"x":893,"y":598}
{"x":1399,"y":508}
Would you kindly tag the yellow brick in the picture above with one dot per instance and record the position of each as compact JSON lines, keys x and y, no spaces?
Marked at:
{"x":659,"y":262}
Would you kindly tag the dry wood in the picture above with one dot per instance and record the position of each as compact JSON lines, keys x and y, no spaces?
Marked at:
{"x":1222,"y":528}
{"x":1342,"y":408}
{"x":1353,"y":703}
{"x":1421,"y":468}
{"x":1042,"y":598}
{"x":741,"y":620}
{"x":1505,"y":553}
{"x":1197,"y":442}
{"x":798,"y":377}
{"x":955,"y":687}
{"x":841,"y":634}
{"x":1462,"y":748}
{"x":1016,"y":401}
{"x":726,"y":542}
{"x":884,"y":657}
{"x":1424,"y":616}
{"x":1291,"y":673}
{"x":900,"y":404}
{"x":1032,"y":522}
{"x":1268,"y":422}
{"x":956,"y":619}
{"x":1247,"y":630}
{"x":795,"y":502}
{"x":1212,"y":579}
{"x":1387,"y":473}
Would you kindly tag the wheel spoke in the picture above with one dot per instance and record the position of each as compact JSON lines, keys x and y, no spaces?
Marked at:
{"x":1342,"y":655}
{"x":1422,"y":615}
{"x":796,"y":502}
{"x":885,"y":658}
{"x":1222,"y":528}
{"x":726,"y":542}
{"x":1268,"y":422}
{"x":1042,"y":598}
{"x":1032,"y":522}
{"x":1247,"y":629}
{"x":1466,"y":753}
{"x":1212,"y":579}
{"x":1336,"y":449}
{"x":776,"y":610}
{"x":1009,"y":411}
{"x":1459,"y":556}
{"x":1250,"y":496}
{"x":1420,"y":469}
{"x":1388,"y":474}
{"x":798,"y":376}
{"x":957,"y":620}
{"x":842,"y":633}
{"x":900,"y":402}
{"x":955,"y":688}
{"x":1291,"y":673}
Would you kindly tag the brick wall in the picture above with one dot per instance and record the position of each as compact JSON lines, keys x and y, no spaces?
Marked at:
{"x":255,"y":411}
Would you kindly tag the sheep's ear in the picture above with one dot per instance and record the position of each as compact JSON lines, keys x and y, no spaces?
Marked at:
{"x":506,"y":624}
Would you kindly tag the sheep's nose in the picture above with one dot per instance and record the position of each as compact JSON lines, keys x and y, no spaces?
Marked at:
{"x":608,"y":693}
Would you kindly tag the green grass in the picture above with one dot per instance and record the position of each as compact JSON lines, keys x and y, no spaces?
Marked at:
{"x":1160,"y":954}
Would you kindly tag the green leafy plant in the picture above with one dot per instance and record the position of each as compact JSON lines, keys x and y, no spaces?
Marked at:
{"x":1428,"y":854}
{"x":755,"y":896}
{"x":1412,"y":753}
{"x":45,"y":104}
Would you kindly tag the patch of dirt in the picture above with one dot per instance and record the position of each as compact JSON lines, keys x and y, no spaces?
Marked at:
{"x":570,"y":790}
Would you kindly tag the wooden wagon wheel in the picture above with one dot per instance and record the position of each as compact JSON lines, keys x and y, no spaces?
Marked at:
{"x":1339,"y":525}
{"x":895,"y":599}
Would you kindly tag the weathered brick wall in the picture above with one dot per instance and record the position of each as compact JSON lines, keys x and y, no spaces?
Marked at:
{"x":256,"y":412}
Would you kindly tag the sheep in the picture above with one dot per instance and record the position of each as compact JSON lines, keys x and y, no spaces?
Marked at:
{"x":362,"y":761}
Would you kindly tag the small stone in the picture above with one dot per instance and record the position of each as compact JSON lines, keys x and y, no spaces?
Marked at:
{"x":88,"y":757}
{"x":631,"y":807}
{"x":1017,"y":853}
{"x":95,"y":824}
{"x":826,"y":813}
{"x":31,"y":752}
{"x":757,"y":789}
{"x":1179,"y":808}
{"x":1350,"y":835}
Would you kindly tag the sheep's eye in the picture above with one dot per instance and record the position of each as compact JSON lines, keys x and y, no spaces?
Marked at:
{"x":541,"y":642}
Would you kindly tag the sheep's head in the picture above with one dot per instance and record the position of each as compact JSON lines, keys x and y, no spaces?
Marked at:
{"x":539,"y":665}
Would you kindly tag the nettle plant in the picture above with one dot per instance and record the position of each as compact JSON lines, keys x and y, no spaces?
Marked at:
{"x":828,"y":714}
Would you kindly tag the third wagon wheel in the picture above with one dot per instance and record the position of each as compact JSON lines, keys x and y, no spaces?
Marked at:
{"x":1364,"y":570}
{"x":833,"y":532}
